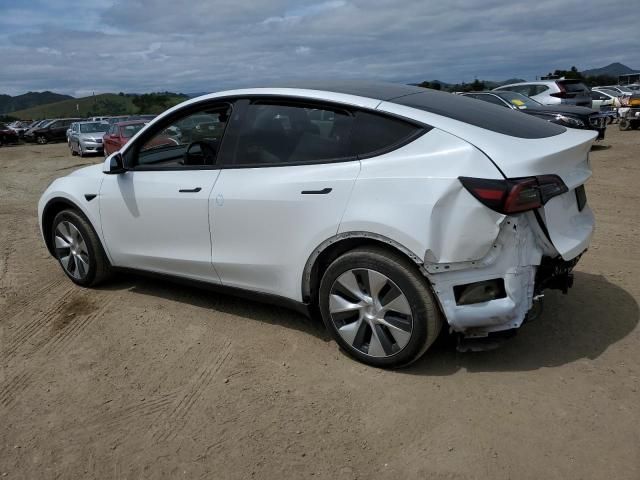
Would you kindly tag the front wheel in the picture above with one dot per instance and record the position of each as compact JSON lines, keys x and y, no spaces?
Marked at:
{"x":379,"y":307}
{"x":41,"y":139}
{"x":78,"y":249}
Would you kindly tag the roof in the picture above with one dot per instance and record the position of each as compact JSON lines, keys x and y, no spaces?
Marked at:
{"x":362,"y":88}
{"x":131,"y":122}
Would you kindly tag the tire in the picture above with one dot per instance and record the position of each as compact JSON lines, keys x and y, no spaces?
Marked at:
{"x":80,"y":152}
{"x":41,"y":139}
{"x":89,"y":265}
{"x":403,"y":335}
{"x":624,"y":124}
{"x":73,"y":150}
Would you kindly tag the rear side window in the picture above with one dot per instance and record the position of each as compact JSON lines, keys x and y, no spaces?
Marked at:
{"x":373,"y":134}
{"x":276,"y":134}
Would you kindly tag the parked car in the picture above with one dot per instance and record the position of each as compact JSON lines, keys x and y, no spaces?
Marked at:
{"x":28,"y":133}
{"x":602,"y":98}
{"x":86,"y":137}
{"x":566,"y":115}
{"x":623,"y":90}
{"x":118,"y":134}
{"x":54,"y":131}
{"x":553,"y":92}
{"x":122,"y":118}
{"x":20,"y":127}
{"x":410,"y":211}
{"x":7,"y":135}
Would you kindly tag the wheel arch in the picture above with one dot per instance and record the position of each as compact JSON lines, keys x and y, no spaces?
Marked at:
{"x":51,"y":209}
{"x":341,"y":243}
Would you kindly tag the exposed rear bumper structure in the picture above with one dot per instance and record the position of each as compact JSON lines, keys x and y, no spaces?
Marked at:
{"x":520,"y":264}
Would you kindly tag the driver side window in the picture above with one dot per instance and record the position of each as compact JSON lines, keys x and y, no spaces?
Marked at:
{"x":190,"y":140}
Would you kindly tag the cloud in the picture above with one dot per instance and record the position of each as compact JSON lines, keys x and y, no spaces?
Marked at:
{"x":145,"y":45}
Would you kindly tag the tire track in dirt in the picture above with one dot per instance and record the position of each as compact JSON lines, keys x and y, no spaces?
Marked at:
{"x":13,"y":387}
{"x":35,"y":327}
{"x":175,"y":420}
{"x":29,"y":298}
{"x":67,"y":331}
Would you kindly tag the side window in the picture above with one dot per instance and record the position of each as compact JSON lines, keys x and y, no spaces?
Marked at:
{"x":55,"y":124}
{"x":192,"y":139}
{"x":280,"y":134}
{"x":374,"y":133}
{"x":536,"y":90}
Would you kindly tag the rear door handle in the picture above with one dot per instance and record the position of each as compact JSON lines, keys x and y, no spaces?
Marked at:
{"x":324,"y":191}
{"x":190,"y":190}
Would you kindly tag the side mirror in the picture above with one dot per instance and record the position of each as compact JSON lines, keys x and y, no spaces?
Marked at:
{"x":114,"y":164}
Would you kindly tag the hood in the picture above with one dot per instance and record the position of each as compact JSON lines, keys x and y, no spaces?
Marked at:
{"x":563,"y":109}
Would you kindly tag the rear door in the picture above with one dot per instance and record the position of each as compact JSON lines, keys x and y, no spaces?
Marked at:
{"x":282,"y":191}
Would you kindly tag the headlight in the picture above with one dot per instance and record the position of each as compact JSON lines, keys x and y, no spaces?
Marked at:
{"x":569,"y":121}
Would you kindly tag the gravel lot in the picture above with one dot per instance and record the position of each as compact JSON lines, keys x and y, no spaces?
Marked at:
{"x":146,"y":379}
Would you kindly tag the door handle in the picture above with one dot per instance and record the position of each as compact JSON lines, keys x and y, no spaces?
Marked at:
{"x":324,"y":191}
{"x":190,"y":190}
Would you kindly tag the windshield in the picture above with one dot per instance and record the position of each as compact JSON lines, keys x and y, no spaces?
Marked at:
{"x":606,"y":91}
{"x":518,"y":100}
{"x":129,"y":131}
{"x":94,"y":127}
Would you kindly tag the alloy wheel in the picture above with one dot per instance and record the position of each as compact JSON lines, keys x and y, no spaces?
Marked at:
{"x":41,"y":140}
{"x":71,"y":250}
{"x":370,"y":312}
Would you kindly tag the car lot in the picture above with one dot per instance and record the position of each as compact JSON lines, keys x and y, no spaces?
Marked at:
{"x":143,"y":378}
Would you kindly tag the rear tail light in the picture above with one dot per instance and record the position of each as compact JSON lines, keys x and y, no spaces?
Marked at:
{"x":515,"y":195}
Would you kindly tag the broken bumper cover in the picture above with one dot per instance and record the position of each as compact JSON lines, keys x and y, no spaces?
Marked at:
{"x":522,"y":259}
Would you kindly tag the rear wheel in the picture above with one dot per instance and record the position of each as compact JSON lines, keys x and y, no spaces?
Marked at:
{"x":78,"y":249}
{"x":379,"y":307}
{"x":624,"y":124}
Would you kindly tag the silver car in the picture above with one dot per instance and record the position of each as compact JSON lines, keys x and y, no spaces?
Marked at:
{"x":553,"y":92}
{"x":86,"y":137}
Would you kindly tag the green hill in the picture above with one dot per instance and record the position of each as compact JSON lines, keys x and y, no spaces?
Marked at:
{"x":103,"y":104}
{"x":28,"y":100}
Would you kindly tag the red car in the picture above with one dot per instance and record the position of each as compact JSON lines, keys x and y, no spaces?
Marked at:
{"x":7,"y":135}
{"x":121,"y":132}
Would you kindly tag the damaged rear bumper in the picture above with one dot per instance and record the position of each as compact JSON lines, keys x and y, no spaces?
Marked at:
{"x":521,"y":263}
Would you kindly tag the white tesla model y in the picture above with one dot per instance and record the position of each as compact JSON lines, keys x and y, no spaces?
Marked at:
{"x":392,"y":210}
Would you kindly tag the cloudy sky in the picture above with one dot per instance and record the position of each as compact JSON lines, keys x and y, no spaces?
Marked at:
{"x":78,"y":47}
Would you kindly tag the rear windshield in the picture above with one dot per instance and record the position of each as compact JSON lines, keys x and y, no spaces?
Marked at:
{"x":129,"y":131}
{"x":96,"y":127}
{"x":481,"y":114}
{"x":573,"y":87}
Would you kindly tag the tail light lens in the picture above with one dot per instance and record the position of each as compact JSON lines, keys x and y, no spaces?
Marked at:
{"x":515,"y":195}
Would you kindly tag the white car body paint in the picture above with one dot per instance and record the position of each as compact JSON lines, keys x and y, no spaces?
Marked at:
{"x":266,"y":230}
{"x":252,"y":228}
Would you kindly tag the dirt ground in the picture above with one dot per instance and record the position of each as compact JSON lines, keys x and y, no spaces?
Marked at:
{"x":146,"y":379}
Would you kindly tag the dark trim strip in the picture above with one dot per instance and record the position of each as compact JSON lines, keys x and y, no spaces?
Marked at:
{"x":259,"y":297}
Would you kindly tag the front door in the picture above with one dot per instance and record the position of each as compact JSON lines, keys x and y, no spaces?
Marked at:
{"x":155,"y":216}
